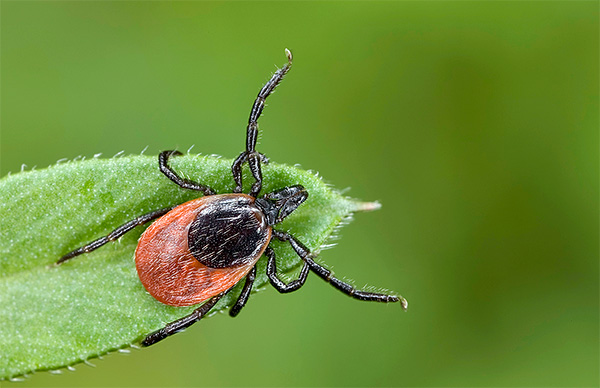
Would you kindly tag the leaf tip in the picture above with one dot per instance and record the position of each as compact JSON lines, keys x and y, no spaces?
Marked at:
{"x":365,"y":206}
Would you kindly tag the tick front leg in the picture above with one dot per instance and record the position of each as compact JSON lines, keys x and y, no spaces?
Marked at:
{"x":180,"y":324}
{"x":327,"y":275}
{"x":279,"y":284}
{"x":164,"y":167}
{"x":254,"y":158}
{"x":115,"y":234}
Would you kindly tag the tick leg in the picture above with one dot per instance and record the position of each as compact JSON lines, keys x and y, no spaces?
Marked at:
{"x":163,"y":158}
{"x":180,"y":324}
{"x":243,"y":298}
{"x":115,"y":234}
{"x":250,"y":155}
{"x":327,"y":275}
{"x":254,"y":164}
{"x":280,"y":285}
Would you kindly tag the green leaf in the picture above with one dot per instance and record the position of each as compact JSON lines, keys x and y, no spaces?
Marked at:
{"x":55,"y":316}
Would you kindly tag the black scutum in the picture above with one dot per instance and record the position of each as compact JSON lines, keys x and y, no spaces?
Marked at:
{"x":227,"y":233}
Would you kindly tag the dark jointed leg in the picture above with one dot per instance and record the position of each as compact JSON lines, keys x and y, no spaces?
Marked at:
{"x":243,"y":298}
{"x":163,"y":159}
{"x":180,"y":324}
{"x":115,"y":234}
{"x":200,"y":312}
{"x":250,"y":155}
{"x":327,"y":275}
{"x":280,"y":285}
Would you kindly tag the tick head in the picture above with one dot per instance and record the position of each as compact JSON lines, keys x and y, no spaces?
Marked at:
{"x":281,"y":203}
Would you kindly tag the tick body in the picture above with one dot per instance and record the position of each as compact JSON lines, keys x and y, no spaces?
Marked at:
{"x":198,"y":251}
{"x":201,"y":248}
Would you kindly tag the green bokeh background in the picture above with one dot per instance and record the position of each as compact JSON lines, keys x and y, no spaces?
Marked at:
{"x":475,"y":124}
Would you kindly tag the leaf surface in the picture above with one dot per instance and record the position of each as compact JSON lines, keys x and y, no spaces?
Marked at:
{"x":55,"y":316}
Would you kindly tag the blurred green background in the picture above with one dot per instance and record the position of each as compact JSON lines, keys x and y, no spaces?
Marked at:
{"x":475,"y":124}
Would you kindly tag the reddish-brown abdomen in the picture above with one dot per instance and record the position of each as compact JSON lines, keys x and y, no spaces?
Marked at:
{"x":167,"y":268}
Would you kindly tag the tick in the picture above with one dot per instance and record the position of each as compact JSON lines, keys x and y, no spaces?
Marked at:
{"x":198,"y":251}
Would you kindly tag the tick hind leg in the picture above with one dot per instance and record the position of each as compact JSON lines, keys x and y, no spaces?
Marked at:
{"x":115,"y":234}
{"x":327,"y":275}
{"x":180,"y":324}
{"x":187,"y":321}
{"x":254,"y":158}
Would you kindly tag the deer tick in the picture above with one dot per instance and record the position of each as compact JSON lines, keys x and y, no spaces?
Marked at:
{"x":198,"y":251}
